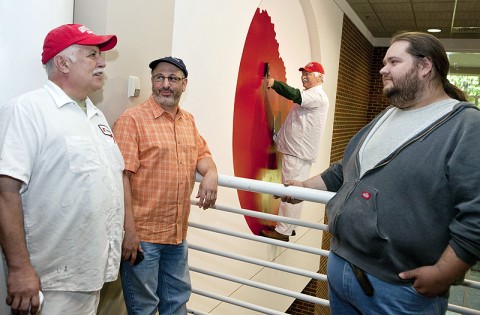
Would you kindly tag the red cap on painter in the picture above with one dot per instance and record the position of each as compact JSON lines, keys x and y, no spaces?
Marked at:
{"x":313,"y":67}
{"x":66,"y":35}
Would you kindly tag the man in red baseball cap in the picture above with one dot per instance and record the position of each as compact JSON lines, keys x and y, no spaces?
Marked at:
{"x":66,"y":35}
{"x":313,"y":67}
{"x":61,"y":189}
{"x":299,"y":137}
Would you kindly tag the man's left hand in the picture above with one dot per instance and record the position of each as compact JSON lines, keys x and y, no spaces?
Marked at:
{"x":207,"y":192}
{"x":427,"y":280}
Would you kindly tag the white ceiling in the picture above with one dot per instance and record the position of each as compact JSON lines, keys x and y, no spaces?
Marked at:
{"x":457,"y":19}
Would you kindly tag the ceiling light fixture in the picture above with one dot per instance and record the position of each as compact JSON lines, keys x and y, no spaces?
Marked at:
{"x":434,"y":30}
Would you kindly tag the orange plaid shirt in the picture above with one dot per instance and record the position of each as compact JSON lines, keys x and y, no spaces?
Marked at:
{"x":162,"y":153}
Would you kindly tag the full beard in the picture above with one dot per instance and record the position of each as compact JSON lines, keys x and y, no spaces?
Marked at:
{"x":167,"y":101}
{"x":405,"y":91}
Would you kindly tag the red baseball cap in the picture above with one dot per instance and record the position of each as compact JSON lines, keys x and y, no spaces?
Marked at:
{"x":313,"y":67}
{"x":66,"y":35}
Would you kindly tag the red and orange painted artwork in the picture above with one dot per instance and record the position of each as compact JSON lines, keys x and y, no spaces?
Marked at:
{"x":258,"y":113}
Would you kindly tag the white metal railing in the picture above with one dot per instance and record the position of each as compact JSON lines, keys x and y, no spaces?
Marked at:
{"x":273,"y":189}
{"x":243,"y":304}
{"x":260,"y":262}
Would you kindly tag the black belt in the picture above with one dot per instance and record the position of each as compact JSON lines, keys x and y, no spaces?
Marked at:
{"x":362,"y":278}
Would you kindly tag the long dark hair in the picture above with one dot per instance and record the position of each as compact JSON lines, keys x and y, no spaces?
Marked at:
{"x":426,"y":45}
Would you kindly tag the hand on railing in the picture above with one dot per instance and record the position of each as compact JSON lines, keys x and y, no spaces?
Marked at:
{"x":290,"y":199}
{"x":207,"y":191}
{"x":301,"y":193}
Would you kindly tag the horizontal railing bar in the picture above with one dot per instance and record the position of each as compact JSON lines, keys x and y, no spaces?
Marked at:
{"x":263,"y":286}
{"x":462,"y":310}
{"x":267,"y":216}
{"x":451,"y":307}
{"x":195,"y":312}
{"x":262,"y":239}
{"x":243,"y":304}
{"x":247,"y":184}
{"x":264,"y":263}
{"x":471,"y":284}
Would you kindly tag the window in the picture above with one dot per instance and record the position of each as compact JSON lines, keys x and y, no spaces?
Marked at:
{"x":470,"y":84}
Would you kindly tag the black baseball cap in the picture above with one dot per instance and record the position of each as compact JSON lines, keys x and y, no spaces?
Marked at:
{"x":172,"y":60}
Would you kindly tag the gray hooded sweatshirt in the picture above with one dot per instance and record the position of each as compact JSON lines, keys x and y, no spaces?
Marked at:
{"x":402,"y":213}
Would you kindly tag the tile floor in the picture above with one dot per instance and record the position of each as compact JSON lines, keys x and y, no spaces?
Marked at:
{"x":467,"y":297}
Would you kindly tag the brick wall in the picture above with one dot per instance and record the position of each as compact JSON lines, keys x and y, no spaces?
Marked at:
{"x":300,"y":307}
{"x":353,"y":87}
{"x":377,"y":101}
{"x":359,"y":98}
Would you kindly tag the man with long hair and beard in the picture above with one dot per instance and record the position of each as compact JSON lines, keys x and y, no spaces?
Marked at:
{"x":162,"y":149}
{"x":406,"y":214}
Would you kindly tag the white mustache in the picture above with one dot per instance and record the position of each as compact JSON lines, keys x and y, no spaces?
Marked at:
{"x":97,"y":71}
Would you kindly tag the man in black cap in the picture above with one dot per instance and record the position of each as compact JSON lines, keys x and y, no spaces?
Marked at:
{"x":162,"y":149}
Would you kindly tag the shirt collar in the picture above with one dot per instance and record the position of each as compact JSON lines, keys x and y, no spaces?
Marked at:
{"x":158,"y":111}
{"x":61,"y":98}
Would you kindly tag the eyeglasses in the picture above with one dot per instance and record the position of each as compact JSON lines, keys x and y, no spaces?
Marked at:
{"x":172,"y":79}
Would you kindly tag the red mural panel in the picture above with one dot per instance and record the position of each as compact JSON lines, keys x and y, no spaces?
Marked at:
{"x":257,"y":113}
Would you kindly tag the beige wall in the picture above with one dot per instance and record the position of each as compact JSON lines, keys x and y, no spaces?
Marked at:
{"x":23,"y":26}
{"x":144,"y":30}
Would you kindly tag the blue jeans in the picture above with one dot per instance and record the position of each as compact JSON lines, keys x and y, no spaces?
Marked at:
{"x":160,"y":282}
{"x":346,"y":296}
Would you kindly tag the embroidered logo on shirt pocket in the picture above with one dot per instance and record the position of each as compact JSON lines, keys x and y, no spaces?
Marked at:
{"x":82,"y":154}
{"x":366,"y":195}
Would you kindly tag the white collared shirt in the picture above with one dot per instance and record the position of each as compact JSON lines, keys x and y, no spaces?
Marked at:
{"x":300,"y":134}
{"x":72,"y":192}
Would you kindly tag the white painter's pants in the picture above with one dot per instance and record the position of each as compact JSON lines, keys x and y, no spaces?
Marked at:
{"x":293,"y":168}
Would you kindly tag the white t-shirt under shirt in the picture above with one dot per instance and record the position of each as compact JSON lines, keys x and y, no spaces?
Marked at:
{"x":395,"y":128}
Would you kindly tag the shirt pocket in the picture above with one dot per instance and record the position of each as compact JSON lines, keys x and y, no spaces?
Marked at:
{"x":353,"y":218}
{"x":82,"y":154}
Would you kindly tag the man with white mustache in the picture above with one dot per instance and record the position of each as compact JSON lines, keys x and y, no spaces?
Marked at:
{"x":299,"y":137}
{"x":162,"y":149}
{"x":61,"y":189}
